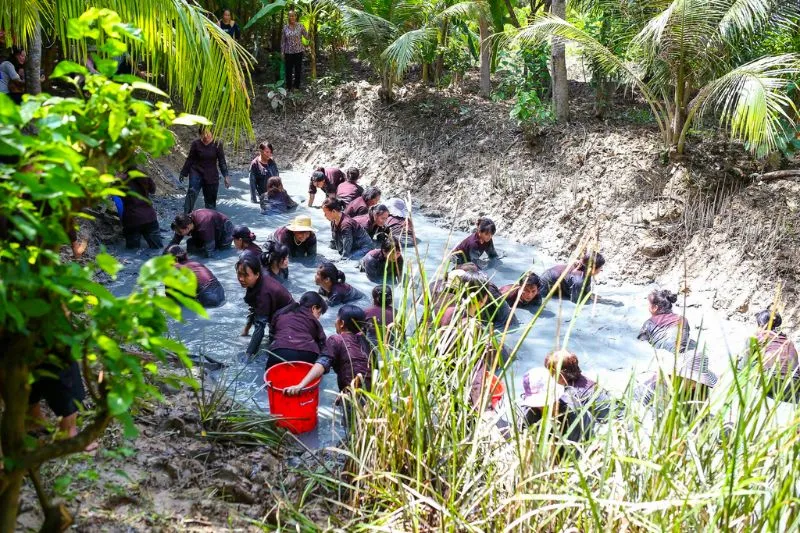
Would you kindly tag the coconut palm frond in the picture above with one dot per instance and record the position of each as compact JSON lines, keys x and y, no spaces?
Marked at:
{"x":466,"y":9}
{"x":367,"y":26}
{"x":20,"y":18}
{"x":751,"y":99}
{"x":200,"y":63}
{"x":406,"y":48}
{"x":747,"y":16}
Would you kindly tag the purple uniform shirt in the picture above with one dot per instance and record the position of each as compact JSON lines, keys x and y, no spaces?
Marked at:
{"x":779,"y":352}
{"x":333,"y":177}
{"x":204,"y":159}
{"x":470,"y":250}
{"x":139,"y":211}
{"x":297,"y":330}
{"x":204,"y":276}
{"x":350,"y":237}
{"x":264,"y":298}
{"x":573,"y":287}
{"x":349,"y":355}
{"x":357,"y":207}
{"x":211,"y":228}
{"x":661,"y":331}
{"x":340,"y":293}
{"x":378,"y":315}
{"x":307,"y":248}
{"x":375,"y":265}
{"x":511,"y":293}
{"x":402,"y":228}
{"x":349,"y":191}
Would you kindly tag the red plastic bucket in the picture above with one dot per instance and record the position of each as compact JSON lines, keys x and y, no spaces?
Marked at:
{"x":298,"y":413}
{"x":497,"y":389}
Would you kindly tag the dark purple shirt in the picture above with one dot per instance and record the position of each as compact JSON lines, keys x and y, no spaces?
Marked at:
{"x":349,"y":355}
{"x":138,"y":211}
{"x":349,"y":191}
{"x":307,"y":248}
{"x":333,"y":177}
{"x":297,"y":330}
{"x":470,"y":250}
{"x":204,"y":276}
{"x":264,"y":298}
{"x":779,"y":352}
{"x":203,"y":159}
{"x":661,"y":331}
{"x":349,"y":237}
{"x":369,"y":226}
{"x":402,"y":228}
{"x":378,"y":315}
{"x":357,"y":207}
{"x":254,"y":249}
{"x":209,"y":229}
{"x":573,"y":287}
{"x":340,"y":293}
{"x":276,"y":202}
{"x":511,"y":293}
{"x":375,"y":265}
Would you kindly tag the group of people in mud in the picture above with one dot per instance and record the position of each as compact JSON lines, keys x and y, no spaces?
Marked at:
{"x":373,"y":232}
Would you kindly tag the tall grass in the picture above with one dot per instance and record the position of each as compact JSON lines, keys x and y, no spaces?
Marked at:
{"x":421,"y":457}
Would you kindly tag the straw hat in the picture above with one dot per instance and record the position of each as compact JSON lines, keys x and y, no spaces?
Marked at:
{"x":540,"y":388}
{"x":301,"y":223}
{"x":397,"y":207}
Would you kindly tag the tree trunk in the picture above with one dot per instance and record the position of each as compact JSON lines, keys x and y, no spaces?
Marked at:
{"x":33,"y":65}
{"x":439,"y":64}
{"x":312,"y":48}
{"x":15,"y":391}
{"x":426,"y":67}
{"x":486,"y":56}
{"x":511,"y":14}
{"x":559,"y":65}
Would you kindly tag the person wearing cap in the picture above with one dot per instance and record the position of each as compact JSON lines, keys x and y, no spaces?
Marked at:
{"x":580,"y":392}
{"x":299,"y":236}
{"x":775,"y":353}
{"x":689,"y":372}
{"x":665,"y":330}
{"x":542,"y":396}
{"x":327,"y":179}
{"x":362,"y":204}
{"x":398,"y":222}
{"x":349,"y":190}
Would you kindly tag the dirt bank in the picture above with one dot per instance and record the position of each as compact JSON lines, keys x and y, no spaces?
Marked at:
{"x":460,"y":155}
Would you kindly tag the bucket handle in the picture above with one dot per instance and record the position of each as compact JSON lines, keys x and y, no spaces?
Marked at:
{"x":268,"y":385}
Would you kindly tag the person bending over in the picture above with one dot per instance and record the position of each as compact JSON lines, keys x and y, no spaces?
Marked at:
{"x":778,"y":357}
{"x":244,"y":240}
{"x":374,"y":222}
{"x":384,"y":264}
{"x":139,"y":218}
{"x":576,"y":281}
{"x":399,"y":223}
{"x":295,"y":331}
{"x":210,"y":292}
{"x":276,"y":261}
{"x":208,"y":230}
{"x":276,"y":200}
{"x":580,"y":392}
{"x":361,"y":205}
{"x":264,"y":296}
{"x":326,"y":179}
{"x":331,"y":282}
{"x":350,"y":189}
{"x":525,"y":294}
{"x":349,"y":239}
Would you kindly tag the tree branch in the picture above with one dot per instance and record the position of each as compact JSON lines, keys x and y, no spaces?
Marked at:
{"x":780,"y":175}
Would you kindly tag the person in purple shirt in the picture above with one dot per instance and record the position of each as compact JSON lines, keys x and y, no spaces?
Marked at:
{"x":262,"y":168}
{"x":276,"y":200}
{"x":577,"y":280}
{"x":210,"y":292}
{"x":350,"y":189}
{"x":374,"y":222}
{"x":399,"y":223}
{"x":380,"y":316}
{"x":205,"y":155}
{"x":139,"y":218}
{"x":264,"y":296}
{"x":774,"y":357}
{"x":208,"y":230}
{"x":349,"y":238}
{"x":295,"y":331}
{"x":327,"y":179}
{"x":244,"y":240}
{"x":299,"y":236}
{"x":276,"y":261}
{"x":384,"y":264}
{"x":362,"y":204}
{"x":331,"y":282}
{"x":664,"y":329}
{"x":525,"y":294}
{"x":580,"y":392}
{"x":347,"y":353}
{"x":480,"y":242}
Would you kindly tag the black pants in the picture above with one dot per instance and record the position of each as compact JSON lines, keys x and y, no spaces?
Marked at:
{"x":61,"y":388}
{"x":150,"y":232}
{"x":197,"y":183}
{"x":212,"y":295}
{"x":293,"y":65}
{"x":287,"y":355}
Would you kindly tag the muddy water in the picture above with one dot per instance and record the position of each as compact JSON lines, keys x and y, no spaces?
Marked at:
{"x":603,"y":336}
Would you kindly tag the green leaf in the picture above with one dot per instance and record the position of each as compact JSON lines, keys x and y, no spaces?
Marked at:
{"x":264,"y":11}
{"x":117,"y":405}
{"x":108,"y":263}
{"x":185,"y":119}
{"x":8,"y":110}
{"x":35,"y":307}
{"x":64,"y":68}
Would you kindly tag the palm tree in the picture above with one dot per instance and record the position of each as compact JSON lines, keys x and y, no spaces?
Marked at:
{"x":181,"y":45}
{"x":683,"y":63}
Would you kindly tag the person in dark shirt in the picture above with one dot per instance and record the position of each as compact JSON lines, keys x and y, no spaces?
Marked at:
{"x":331,"y":282}
{"x":380,"y":315}
{"x":262,"y":168}
{"x":384,"y":264}
{"x":399,"y":223}
{"x":772,"y":353}
{"x":350,"y":189}
{"x":295,"y":331}
{"x":580,"y":392}
{"x":664,"y":329}
{"x":299,"y":236}
{"x":374,"y":222}
{"x":139,"y":218}
{"x":276,"y":200}
{"x":276,"y":261}
{"x":347,"y":353}
{"x":362,"y":204}
{"x":471,"y":249}
{"x":349,"y":239}
{"x":495,"y":310}
{"x":209,"y":230}
{"x":264,"y":296}
{"x":525,"y":294}
{"x":244,"y":240}
{"x":327,"y":179}
{"x":577,"y":280}
{"x":200,"y":167}
{"x":229,"y":26}
{"x":210,"y":292}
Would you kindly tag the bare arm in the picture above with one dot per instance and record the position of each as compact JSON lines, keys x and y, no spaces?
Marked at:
{"x":316,"y":372}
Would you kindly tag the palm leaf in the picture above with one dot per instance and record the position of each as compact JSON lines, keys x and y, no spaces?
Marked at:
{"x":406,"y":48}
{"x":367,"y":26}
{"x":751,"y":100}
{"x":20,"y":18}
{"x":200,"y":64}
{"x":748,"y":16}
{"x":267,"y":9}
